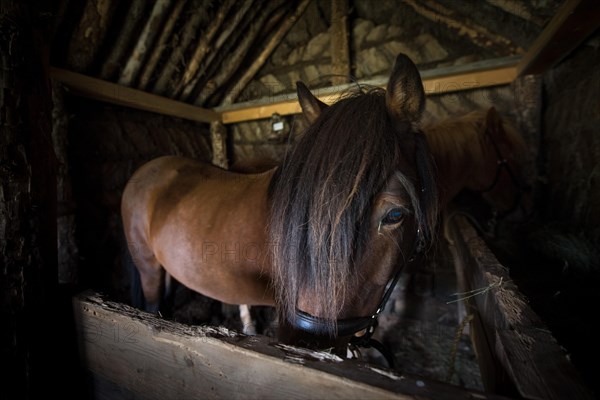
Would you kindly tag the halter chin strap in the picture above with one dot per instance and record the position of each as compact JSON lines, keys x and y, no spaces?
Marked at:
{"x":350,"y":326}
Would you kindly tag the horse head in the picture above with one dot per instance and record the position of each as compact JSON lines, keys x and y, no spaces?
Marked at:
{"x":352,"y":203}
{"x":502,"y":183}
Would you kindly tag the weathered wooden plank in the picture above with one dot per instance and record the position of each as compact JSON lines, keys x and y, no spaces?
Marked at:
{"x":156,"y":359}
{"x":98,"y":89}
{"x":518,"y":340}
{"x":438,"y":81}
{"x":574,"y":21}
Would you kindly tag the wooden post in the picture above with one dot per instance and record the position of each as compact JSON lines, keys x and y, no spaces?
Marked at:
{"x":218,"y":139}
{"x":340,"y":48}
{"x":28,"y":266}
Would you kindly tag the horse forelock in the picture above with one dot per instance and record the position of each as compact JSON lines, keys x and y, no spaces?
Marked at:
{"x":321,"y":198}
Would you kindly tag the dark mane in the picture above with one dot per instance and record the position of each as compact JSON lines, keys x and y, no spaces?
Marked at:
{"x":322,"y":195}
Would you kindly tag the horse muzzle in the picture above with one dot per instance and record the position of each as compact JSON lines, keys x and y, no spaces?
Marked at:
{"x":341,"y":327}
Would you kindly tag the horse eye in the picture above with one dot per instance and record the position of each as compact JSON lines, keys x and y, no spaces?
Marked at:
{"x":393,"y":216}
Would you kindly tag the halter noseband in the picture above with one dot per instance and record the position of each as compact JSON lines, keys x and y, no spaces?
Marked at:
{"x":350,"y":326}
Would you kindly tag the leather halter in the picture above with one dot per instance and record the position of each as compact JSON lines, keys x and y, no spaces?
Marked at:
{"x":502,"y":162}
{"x":350,"y":326}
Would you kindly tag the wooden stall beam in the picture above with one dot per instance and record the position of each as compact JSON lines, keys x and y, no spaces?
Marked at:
{"x":515,"y":349}
{"x":113,"y":93}
{"x":438,"y":81}
{"x":131,"y":351}
{"x":574,"y":21}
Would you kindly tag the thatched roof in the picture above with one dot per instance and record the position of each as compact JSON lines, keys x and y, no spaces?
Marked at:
{"x":210,"y":53}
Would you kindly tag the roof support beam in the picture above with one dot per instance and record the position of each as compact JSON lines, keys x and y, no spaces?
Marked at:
{"x":574,"y":21}
{"x":113,"y":93}
{"x":438,"y":81}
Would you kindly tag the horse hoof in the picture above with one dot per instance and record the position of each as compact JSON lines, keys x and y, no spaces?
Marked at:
{"x":249,"y":330}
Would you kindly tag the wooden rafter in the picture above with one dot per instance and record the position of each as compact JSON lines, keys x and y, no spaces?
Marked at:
{"x":571,"y":25}
{"x":173,"y":62}
{"x":203,"y":46}
{"x":98,"y":89}
{"x":161,"y":46}
{"x":144,"y":43}
{"x":266,"y":52}
{"x":192,"y":75}
{"x":519,"y":9}
{"x":90,"y":34}
{"x":112,"y":64}
{"x":478,"y":34}
{"x":234,"y":58}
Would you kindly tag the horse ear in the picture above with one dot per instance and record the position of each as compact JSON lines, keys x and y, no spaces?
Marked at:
{"x":311,"y":106}
{"x":405,"y":97}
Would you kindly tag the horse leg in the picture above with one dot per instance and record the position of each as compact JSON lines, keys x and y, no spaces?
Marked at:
{"x":152,"y":285}
{"x":167,"y":304}
{"x":151,"y":275}
{"x":247,"y":324}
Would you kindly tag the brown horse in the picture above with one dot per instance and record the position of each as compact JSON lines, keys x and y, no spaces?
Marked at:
{"x":319,"y":237}
{"x":482,"y":152}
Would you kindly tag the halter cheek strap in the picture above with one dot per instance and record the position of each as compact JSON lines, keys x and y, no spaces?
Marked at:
{"x":350,"y":326}
{"x":502,"y":163}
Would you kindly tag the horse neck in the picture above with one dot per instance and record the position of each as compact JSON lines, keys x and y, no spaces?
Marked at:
{"x":456,"y":146}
